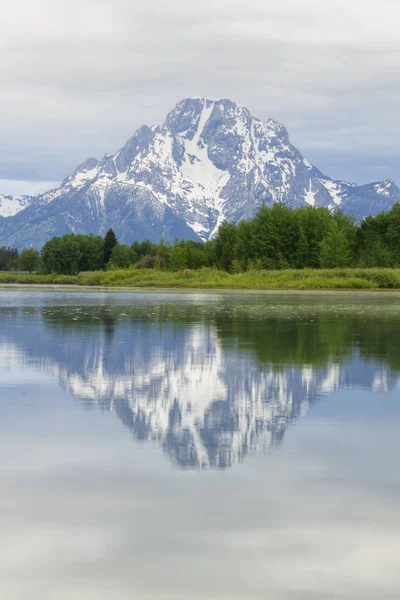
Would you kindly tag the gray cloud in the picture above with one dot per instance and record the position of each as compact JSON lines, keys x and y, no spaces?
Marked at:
{"x":79,"y":79}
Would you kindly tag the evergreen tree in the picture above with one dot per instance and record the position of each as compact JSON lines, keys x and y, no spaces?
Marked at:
{"x":315,"y":223}
{"x":196,"y":255}
{"x":210,"y":253}
{"x":377,"y":254}
{"x":392,"y":236}
{"x":335,"y":250}
{"x":348,"y":225}
{"x":8,"y":258}
{"x":378,"y":239}
{"x":225,"y":245}
{"x":178,"y":257}
{"x":110,"y":241}
{"x":303,"y":249}
{"x":284,"y":233}
{"x":261,"y":237}
{"x":162,"y":250}
{"x":245,"y":243}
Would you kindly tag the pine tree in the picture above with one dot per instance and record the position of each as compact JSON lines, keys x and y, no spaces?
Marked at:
{"x":303,"y":250}
{"x":110,"y":241}
{"x":335,"y":249}
{"x":225,"y":245}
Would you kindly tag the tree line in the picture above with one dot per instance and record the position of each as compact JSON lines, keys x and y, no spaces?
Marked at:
{"x":276,"y":238}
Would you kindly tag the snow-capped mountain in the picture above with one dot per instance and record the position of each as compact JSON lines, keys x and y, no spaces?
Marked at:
{"x":371,"y":199}
{"x":11,"y":205}
{"x":209,"y":162}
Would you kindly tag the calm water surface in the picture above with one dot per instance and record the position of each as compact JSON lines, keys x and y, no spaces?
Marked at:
{"x":199,"y":446}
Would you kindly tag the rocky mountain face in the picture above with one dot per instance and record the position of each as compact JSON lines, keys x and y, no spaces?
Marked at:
{"x":209,"y":162}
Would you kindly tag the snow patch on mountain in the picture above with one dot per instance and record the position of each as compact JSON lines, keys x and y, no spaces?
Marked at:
{"x":210,"y":161}
{"x":384,"y":188}
{"x":196,"y":164}
{"x":335,"y":189}
{"x":309,"y":196}
{"x":11,"y":205}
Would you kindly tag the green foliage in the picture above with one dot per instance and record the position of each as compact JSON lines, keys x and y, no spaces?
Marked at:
{"x":91,"y":252}
{"x":206,"y":278}
{"x":236,"y":267}
{"x":162,"y":250}
{"x":255,"y":264}
{"x":110,"y":241}
{"x":278,"y":238}
{"x":178,"y":257}
{"x":335,"y":248}
{"x":225,"y":245}
{"x":29,"y":260}
{"x":150,"y":262}
{"x":8,"y":258}
{"x":122,"y":256}
{"x":62,"y":255}
{"x":313,"y":226}
{"x":377,"y":254}
{"x":301,"y":258}
{"x":378,"y":239}
{"x":188,"y":255}
{"x":145,"y":248}
{"x":72,"y":253}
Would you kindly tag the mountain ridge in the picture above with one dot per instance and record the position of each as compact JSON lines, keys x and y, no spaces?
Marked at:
{"x":208,"y":162}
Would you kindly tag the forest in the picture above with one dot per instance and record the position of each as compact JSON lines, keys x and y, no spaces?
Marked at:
{"x":277,"y":238}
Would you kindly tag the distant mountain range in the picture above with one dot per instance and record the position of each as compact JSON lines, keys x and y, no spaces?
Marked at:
{"x":209,"y":162}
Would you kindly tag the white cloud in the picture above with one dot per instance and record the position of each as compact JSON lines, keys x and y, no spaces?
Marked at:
{"x":30,"y":188}
{"x":78,"y":79}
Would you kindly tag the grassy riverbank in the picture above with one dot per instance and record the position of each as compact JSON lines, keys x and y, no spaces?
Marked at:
{"x":304,"y":279}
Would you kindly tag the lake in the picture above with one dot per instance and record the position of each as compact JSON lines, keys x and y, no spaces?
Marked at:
{"x":199,"y":445}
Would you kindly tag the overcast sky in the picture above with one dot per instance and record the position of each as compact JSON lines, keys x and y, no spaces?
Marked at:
{"x":79,"y":77}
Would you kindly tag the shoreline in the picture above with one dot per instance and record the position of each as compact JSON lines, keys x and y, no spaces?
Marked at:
{"x":62,"y":287}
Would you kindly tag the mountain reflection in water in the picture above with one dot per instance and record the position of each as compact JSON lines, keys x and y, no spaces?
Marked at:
{"x":208,"y":382}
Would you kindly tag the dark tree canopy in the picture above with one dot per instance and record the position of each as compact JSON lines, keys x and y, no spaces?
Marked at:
{"x":110,"y":241}
{"x":8,"y":258}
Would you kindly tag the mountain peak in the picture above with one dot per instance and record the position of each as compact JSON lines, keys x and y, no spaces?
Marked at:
{"x":386,"y":187}
{"x":83,"y":173}
{"x":210,"y":161}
